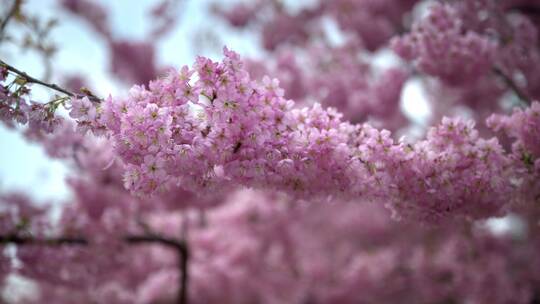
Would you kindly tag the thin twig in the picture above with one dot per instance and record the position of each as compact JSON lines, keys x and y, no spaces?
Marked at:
{"x":10,"y":14}
{"x":512,"y":85}
{"x":53,"y":86}
{"x":180,"y":246}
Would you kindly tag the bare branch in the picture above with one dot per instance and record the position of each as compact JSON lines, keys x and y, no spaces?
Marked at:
{"x":53,"y":86}
{"x":512,"y":85}
{"x":12,"y":10}
{"x":180,"y":246}
{"x":527,"y":9}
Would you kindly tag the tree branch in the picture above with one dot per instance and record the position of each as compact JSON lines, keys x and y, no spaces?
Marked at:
{"x":180,"y":246}
{"x":13,"y":9}
{"x":512,"y":85}
{"x":183,"y":259}
{"x":527,"y":9}
{"x":53,"y":86}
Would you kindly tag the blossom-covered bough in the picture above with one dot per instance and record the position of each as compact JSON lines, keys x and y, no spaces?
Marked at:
{"x":210,"y":184}
{"x":168,"y":135}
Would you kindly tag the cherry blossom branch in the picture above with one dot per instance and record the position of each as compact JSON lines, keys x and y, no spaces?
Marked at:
{"x":180,"y":246}
{"x":30,"y":79}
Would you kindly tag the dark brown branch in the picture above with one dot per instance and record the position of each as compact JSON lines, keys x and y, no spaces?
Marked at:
{"x":527,"y":9}
{"x":12,"y":10}
{"x":19,"y":240}
{"x":180,"y":246}
{"x":53,"y":86}
{"x":512,"y":85}
{"x":183,"y":259}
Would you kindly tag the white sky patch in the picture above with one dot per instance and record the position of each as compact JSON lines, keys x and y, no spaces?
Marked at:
{"x":414,"y":102}
{"x":511,"y":225}
{"x":26,"y":168}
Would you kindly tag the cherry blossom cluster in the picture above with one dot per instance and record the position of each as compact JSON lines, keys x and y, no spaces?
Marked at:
{"x":362,"y":94}
{"x":372,"y":22}
{"x":221,"y":130}
{"x":457,"y":46}
{"x":87,"y":114}
{"x":285,"y":245}
{"x":439,"y":41}
{"x":523,"y":127}
{"x":171,"y":132}
{"x":452,"y":171}
{"x":317,"y":68}
{"x":17,"y":108}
